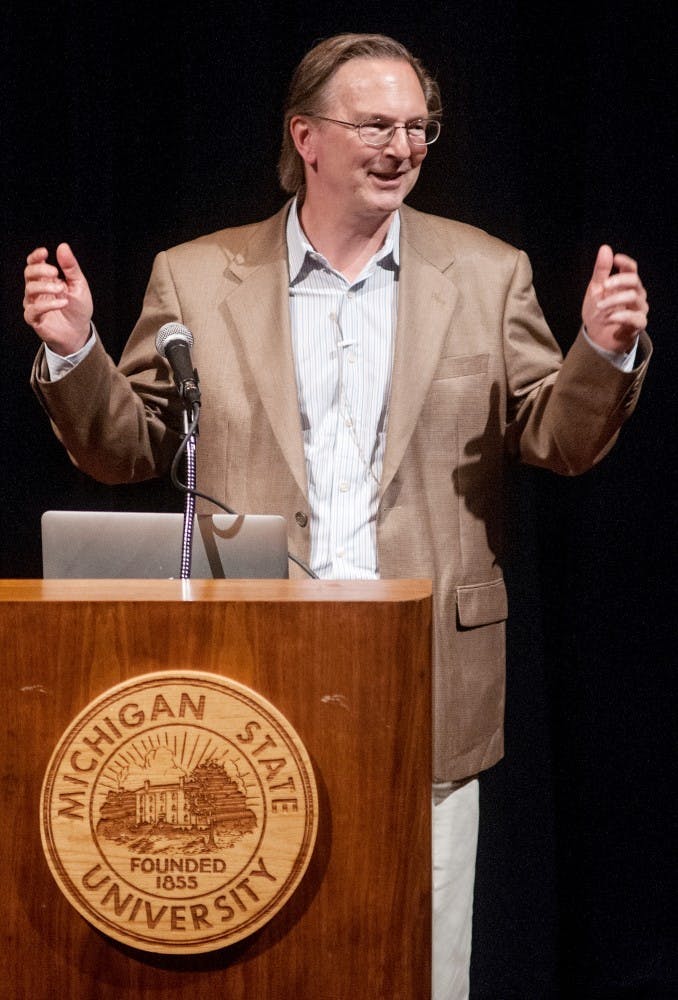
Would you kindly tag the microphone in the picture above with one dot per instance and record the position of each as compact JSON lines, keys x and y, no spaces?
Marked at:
{"x":174,"y":342}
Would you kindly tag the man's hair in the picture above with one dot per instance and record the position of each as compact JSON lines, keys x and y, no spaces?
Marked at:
{"x":309,"y":85}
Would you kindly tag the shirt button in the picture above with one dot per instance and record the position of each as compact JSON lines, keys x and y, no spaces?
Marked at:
{"x":340,"y":552}
{"x":301,"y":518}
{"x":350,"y":358}
{"x":333,"y":317}
{"x":350,"y":295}
{"x":344,"y":486}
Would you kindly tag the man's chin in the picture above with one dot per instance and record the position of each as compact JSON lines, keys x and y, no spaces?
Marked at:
{"x":387,"y":202}
{"x":389,"y":191}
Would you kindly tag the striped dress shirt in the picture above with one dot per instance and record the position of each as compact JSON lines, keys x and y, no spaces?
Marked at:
{"x":343,"y":335}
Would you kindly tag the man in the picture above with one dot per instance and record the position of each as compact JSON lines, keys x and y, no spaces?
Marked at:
{"x":366,"y":371}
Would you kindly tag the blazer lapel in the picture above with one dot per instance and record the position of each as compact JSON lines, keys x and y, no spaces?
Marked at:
{"x":426,"y":299}
{"x":257,"y":303}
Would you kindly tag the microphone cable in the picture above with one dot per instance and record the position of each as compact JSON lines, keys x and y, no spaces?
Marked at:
{"x":194,"y":418}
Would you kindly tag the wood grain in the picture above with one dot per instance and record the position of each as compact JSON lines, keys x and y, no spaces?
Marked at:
{"x":348,"y":665}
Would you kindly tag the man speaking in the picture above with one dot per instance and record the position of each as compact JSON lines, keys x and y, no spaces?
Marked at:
{"x":367,"y":371}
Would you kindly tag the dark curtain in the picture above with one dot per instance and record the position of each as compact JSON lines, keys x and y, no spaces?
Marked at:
{"x":127,"y":128}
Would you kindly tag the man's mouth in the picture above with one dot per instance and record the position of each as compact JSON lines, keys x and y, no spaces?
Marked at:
{"x":387,"y":175}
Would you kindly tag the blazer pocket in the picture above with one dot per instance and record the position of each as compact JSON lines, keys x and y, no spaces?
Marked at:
{"x":465,"y":364}
{"x":482,"y":604}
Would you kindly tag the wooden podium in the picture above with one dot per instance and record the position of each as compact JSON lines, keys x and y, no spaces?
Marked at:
{"x":348,"y":665}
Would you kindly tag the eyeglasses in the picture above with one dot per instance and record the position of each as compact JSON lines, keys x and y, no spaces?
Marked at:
{"x":421,"y":132}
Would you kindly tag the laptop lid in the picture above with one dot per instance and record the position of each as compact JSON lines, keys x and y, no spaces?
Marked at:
{"x":125,"y":545}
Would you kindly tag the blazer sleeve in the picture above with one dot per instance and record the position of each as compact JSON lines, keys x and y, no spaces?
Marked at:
{"x":564,"y":416}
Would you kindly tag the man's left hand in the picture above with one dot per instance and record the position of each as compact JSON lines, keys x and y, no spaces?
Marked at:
{"x":615,"y":305}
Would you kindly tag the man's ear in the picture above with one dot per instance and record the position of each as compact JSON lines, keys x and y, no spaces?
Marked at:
{"x":304,"y":135}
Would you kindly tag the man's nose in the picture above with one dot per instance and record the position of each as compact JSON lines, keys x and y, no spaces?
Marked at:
{"x":399,"y":142}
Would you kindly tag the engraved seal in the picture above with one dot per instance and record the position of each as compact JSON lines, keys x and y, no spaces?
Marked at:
{"x":179,"y":812}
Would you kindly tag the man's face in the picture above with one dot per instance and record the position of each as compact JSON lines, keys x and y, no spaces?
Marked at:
{"x":359,"y":180}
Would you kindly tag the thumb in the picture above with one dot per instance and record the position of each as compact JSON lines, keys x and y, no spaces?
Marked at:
{"x":68,"y":264}
{"x":602,"y":268}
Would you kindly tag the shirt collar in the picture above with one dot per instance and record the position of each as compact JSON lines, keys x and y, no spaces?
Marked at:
{"x":299,"y":249}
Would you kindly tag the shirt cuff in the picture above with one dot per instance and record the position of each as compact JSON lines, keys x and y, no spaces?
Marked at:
{"x":58,"y":365}
{"x":624,"y":362}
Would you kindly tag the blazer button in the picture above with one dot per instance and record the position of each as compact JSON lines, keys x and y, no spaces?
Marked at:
{"x":301,"y":518}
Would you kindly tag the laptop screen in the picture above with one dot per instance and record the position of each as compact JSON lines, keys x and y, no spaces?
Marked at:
{"x":127,"y":545}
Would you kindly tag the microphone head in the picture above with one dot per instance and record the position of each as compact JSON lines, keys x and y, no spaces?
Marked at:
{"x":172,"y":333}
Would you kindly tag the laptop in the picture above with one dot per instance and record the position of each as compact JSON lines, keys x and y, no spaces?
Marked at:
{"x":124,"y":545}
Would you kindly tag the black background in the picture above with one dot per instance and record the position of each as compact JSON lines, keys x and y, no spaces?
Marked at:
{"x":127,"y":128}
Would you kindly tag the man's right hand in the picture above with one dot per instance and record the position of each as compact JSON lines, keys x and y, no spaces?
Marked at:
{"x":58,"y":309}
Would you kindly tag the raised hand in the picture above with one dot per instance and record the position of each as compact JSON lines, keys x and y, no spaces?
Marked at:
{"x":615,"y":304}
{"x":58,"y":308}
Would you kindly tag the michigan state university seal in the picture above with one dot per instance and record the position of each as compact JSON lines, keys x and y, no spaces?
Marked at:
{"x":179,"y":812}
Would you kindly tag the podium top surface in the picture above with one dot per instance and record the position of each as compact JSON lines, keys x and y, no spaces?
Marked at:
{"x":280,"y":591}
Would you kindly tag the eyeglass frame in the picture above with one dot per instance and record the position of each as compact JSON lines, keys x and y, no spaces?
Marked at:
{"x":357,"y":126}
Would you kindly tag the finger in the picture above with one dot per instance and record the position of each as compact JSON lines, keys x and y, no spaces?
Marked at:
{"x":48,"y":281}
{"x":35,"y":307}
{"x":68,"y":263}
{"x":623,"y":262}
{"x":627,"y":297}
{"x":635,"y":320}
{"x":37,"y":255}
{"x":41,"y":267}
{"x":34,"y":313}
{"x":46,"y":293}
{"x":624,"y":279}
{"x":40,"y":272}
{"x":603,"y":265}
{"x":45,"y":304}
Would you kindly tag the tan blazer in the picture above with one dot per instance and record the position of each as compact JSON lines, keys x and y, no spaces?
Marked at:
{"x":477,"y":380}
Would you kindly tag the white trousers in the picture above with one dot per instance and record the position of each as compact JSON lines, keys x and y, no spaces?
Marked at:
{"x":455,"y":841}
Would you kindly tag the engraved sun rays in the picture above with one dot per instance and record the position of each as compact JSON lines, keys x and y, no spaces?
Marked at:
{"x":171,"y":752}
